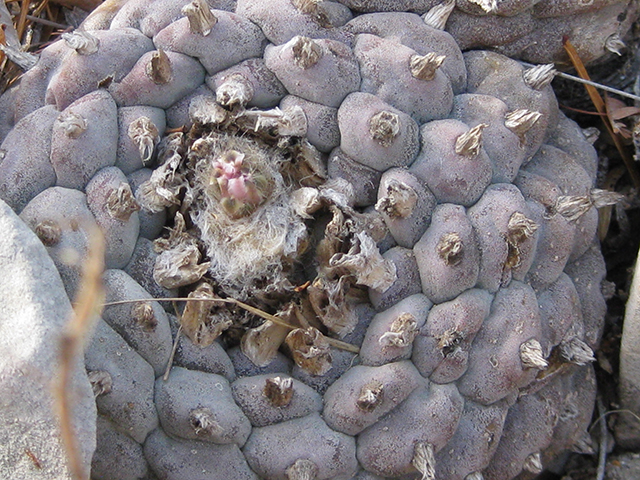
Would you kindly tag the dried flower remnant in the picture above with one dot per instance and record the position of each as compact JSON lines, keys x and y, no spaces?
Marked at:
{"x":314,"y":9}
{"x":201,"y":18}
{"x":72,"y":124}
{"x":159,"y":68}
{"x":143,"y":315}
{"x":470,"y":142}
{"x":576,"y":351}
{"x":424,"y":67}
{"x":519,"y":229}
{"x":371,"y":395}
{"x":531,"y":355}
{"x":179,"y":261}
{"x":49,"y":232}
{"x":449,"y":341}
{"x":310,"y":350}
{"x":101,"y":382}
{"x":332,"y":303}
{"x":204,"y":110}
{"x":145,"y":135}
{"x":572,"y":207}
{"x":533,"y":463}
{"x":424,"y":460}
{"x":302,"y":469}
{"x":306,"y":201}
{"x":365,"y":263}
{"x":450,"y":248}
{"x":290,"y":122}
{"x":121,"y":203}
{"x":306,"y":52}
{"x":402,"y":332}
{"x":307,"y":168}
{"x":261,"y":344}
{"x":399,"y":201}
{"x":520,"y":121}
{"x":82,"y":42}
{"x":615,"y":44}
{"x":203,"y":322}
{"x":487,"y":6}
{"x":539,"y":76}
{"x":179,"y":267}
{"x":163,"y":188}
{"x":384,"y":127}
{"x":279,"y":391}
{"x":204,"y":423}
{"x":437,"y":17}
{"x":234,"y":90}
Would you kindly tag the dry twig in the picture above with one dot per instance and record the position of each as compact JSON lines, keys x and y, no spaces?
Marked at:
{"x":86,"y":309}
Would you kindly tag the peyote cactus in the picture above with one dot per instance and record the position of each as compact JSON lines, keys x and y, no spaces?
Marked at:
{"x":396,"y":239}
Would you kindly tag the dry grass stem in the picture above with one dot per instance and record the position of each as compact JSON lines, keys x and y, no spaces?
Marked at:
{"x":604,"y":437}
{"x":86,"y":309}
{"x":599,"y":103}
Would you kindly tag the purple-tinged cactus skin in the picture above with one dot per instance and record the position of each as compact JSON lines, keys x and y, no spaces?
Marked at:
{"x":387,"y":246}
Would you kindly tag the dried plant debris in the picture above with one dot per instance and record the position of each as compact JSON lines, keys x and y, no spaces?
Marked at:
{"x":245,"y":186}
{"x":279,"y":391}
{"x":203,"y":321}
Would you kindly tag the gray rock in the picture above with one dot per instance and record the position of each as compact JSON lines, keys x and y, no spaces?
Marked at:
{"x":35,"y":310}
{"x":628,"y":430}
{"x":622,"y":467}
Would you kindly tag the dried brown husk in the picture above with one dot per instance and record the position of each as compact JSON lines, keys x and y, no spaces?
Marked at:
{"x":178,"y":263}
{"x":204,"y":322}
{"x":121,"y":203}
{"x":399,"y":200}
{"x":163,"y":189}
{"x":402,"y":332}
{"x":278,"y":390}
{"x":371,"y":395}
{"x":310,"y":350}
{"x":261,"y":344}
{"x":333,"y":304}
